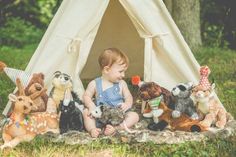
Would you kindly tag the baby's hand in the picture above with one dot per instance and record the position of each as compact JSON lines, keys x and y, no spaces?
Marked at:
{"x":124,"y":106}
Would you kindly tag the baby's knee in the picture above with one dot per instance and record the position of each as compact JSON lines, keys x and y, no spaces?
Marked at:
{"x":133,"y":115}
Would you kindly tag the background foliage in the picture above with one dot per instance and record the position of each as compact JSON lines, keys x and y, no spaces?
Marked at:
{"x":218,"y":24}
{"x":24,"y":21}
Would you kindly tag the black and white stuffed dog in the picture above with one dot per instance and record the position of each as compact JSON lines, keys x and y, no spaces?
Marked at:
{"x":184,"y":104}
{"x":71,"y":116}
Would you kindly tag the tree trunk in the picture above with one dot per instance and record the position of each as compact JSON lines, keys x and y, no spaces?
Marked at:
{"x":186,"y":14}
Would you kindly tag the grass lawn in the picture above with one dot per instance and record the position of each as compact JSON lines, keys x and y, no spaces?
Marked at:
{"x":222,"y":63}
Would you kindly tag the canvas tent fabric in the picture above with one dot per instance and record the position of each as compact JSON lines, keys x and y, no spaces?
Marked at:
{"x":68,"y":40}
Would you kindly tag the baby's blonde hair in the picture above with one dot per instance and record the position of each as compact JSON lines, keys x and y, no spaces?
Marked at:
{"x":112,"y":55}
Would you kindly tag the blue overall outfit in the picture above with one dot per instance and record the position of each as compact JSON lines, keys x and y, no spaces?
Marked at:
{"x":110,"y":96}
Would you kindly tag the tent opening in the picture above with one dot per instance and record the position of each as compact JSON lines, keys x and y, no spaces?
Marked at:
{"x":116,"y":30}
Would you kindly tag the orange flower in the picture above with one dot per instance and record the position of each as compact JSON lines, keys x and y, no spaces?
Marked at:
{"x":135,"y":80}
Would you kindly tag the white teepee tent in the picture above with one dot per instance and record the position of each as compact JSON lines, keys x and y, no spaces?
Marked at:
{"x":69,"y":38}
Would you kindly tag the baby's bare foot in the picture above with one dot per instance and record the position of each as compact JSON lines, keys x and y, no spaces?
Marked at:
{"x":95,"y":132}
{"x":109,"y":130}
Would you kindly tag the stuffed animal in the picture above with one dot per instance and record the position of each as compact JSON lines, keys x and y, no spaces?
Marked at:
{"x":204,"y":96}
{"x":36,"y":84}
{"x":23,"y":126}
{"x":61,"y":82}
{"x":106,"y":114}
{"x":210,"y":109}
{"x":30,"y":84}
{"x":149,"y":91}
{"x":71,"y":117}
{"x":184,"y":104}
{"x":182,"y":123}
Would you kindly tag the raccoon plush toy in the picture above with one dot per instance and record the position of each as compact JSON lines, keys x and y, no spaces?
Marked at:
{"x":184,"y":104}
{"x":71,"y":116}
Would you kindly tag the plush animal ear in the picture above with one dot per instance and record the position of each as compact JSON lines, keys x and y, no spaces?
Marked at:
{"x":12,"y":97}
{"x":41,"y":75}
{"x":213,"y":85}
{"x":101,"y":108}
{"x":20,"y":87}
{"x":190,"y":85}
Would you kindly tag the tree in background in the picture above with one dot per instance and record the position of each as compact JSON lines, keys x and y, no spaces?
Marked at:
{"x":217,"y":21}
{"x":186,"y":14}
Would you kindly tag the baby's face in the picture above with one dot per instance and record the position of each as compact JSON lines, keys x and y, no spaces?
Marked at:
{"x":116,"y":72}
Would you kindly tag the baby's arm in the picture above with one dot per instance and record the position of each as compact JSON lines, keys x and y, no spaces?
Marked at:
{"x":127,"y":96}
{"x":88,"y":95}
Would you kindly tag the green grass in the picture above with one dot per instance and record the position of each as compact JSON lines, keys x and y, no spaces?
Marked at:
{"x":42,"y":147}
{"x":222,"y":63}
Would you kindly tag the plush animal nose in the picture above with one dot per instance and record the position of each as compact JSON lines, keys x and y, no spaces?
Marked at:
{"x":199,"y":94}
{"x":25,"y":108}
{"x":38,"y":88}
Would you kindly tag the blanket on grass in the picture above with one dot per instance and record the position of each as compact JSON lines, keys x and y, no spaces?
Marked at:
{"x":144,"y":135}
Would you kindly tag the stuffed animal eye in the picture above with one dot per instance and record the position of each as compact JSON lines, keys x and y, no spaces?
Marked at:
{"x":31,"y":104}
{"x":20,"y":99}
{"x":182,"y":88}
